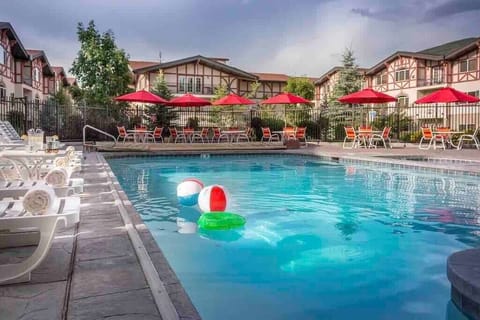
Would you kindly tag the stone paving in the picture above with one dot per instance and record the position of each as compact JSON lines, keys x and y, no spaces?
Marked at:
{"x":93,"y":271}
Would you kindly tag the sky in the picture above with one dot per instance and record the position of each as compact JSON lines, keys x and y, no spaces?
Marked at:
{"x":299,"y":38}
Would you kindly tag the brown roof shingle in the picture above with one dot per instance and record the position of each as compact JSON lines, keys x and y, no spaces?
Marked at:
{"x":136,"y":64}
{"x":278,"y":77}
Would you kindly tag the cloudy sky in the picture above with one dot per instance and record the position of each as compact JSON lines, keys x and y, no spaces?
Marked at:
{"x":298,"y":37}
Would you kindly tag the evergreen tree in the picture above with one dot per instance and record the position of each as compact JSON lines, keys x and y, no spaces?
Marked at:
{"x":160,"y":115}
{"x":350,"y":79}
{"x":100,"y":67}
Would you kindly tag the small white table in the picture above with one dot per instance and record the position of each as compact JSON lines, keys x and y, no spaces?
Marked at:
{"x":232,"y":134}
{"x":448,"y":137}
{"x":140,"y":135}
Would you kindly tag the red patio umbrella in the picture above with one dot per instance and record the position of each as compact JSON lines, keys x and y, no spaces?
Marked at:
{"x":367,"y":96}
{"x":446,"y":95}
{"x":232,"y":99}
{"x":188,"y":100}
{"x":141,"y":96}
{"x":285,"y":98}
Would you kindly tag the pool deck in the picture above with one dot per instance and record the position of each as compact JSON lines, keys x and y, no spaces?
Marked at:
{"x":109,"y":266}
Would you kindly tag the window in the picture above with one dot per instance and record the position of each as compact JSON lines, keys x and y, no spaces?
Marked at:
{"x":437,"y":76}
{"x":381,"y":78}
{"x":468,"y":65}
{"x":36,"y":74}
{"x":37,"y":100}
{"x":402,"y":101}
{"x":474,"y":93}
{"x":198,"y":85}
{"x":181,"y":84}
{"x":190,"y":84}
{"x":3,"y":92}
{"x":3,"y":55}
{"x":402,"y":75}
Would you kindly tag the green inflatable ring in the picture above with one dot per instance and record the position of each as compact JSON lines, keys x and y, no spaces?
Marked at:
{"x":220,"y":221}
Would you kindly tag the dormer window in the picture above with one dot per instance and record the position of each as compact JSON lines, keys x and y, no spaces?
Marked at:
{"x":36,"y":74}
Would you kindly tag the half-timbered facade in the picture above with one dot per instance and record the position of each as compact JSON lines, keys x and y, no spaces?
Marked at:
{"x":25,"y":73}
{"x":412,"y":75}
{"x":201,"y":75}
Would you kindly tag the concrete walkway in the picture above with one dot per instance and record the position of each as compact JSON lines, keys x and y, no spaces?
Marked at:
{"x":93,"y":271}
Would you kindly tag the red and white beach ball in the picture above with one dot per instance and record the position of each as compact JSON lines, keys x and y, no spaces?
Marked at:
{"x":213,"y":198}
{"x":188,"y":191}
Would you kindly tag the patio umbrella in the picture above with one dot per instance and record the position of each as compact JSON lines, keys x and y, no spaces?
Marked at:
{"x":446,"y":95}
{"x":231,"y":100}
{"x":285,"y":98}
{"x":367,"y":96}
{"x":188,"y":100}
{"x":141,"y":96}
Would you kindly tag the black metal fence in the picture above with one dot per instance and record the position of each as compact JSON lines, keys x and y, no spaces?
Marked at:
{"x":323,"y":124}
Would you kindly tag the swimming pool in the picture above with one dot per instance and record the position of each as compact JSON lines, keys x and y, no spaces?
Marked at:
{"x":322,"y":240}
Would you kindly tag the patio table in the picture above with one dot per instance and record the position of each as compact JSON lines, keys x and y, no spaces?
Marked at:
{"x":232,"y":134}
{"x":366,"y":136}
{"x":139,"y":135}
{"x":281,"y":133}
{"x":448,"y":137}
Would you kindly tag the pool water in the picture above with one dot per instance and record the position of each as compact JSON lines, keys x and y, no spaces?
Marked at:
{"x":322,"y":240}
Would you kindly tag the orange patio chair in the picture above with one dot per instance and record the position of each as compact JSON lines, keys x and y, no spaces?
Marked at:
{"x":301,"y":134}
{"x":428,"y":136}
{"x":122,"y":134}
{"x":351,"y":135}
{"x":267,"y":135}
{"x":288,"y":133}
{"x":157,"y":134}
{"x":203,"y":135}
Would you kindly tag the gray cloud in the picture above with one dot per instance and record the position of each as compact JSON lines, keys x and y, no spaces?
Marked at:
{"x":452,"y":7}
{"x":303,"y":37}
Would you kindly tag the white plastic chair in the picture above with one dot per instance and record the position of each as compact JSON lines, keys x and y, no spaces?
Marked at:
{"x":469,"y":137}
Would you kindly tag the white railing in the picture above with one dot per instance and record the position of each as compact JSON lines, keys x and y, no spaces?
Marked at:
{"x":100,"y":131}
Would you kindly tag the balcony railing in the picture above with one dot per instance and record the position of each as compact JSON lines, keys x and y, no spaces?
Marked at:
{"x":430,"y":82}
{"x":204,"y":90}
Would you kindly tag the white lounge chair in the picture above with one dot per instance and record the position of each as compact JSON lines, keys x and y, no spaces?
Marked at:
{"x":15,"y":221}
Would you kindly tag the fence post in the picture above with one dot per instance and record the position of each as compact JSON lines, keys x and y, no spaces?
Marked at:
{"x":25,"y":124}
{"x":398,"y":122}
{"x":57,"y":117}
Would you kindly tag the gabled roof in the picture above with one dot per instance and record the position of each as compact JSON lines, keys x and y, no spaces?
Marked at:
{"x":275,"y":77}
{"x":332,"y":71}
{"x":200,"y":59}
{"x":449,"y":50}
{"x":136,"y":64}
{"x":59,"y":70}
{"x":449,"y":47}
{"x":18,"y":50}
{"x":381,"y":65}
{"x":40,"y":54}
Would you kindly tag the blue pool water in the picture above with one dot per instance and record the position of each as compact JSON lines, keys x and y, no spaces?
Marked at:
{"x":322,"y":240}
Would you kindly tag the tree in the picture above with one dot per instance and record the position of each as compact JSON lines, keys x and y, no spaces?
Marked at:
{"x":349,"y":80}
{"x":100,"y":66}
{"x":301,"y":87}
{"x":219,"y":92}
{"x":159,"y":115}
